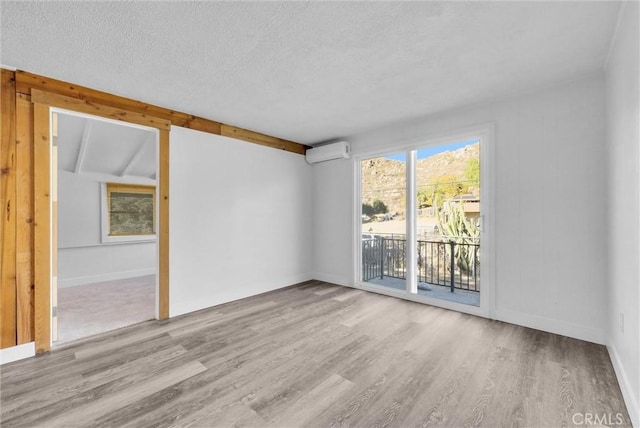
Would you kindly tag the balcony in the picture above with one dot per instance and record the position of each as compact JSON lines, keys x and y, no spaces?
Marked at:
{"x":448,"y":267}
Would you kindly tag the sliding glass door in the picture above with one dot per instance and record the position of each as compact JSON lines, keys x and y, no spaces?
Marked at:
{"x":384,"y":224}
{"x":420,"y":222}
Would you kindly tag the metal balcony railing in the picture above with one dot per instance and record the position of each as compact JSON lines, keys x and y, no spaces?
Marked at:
{"x":440,"y":262}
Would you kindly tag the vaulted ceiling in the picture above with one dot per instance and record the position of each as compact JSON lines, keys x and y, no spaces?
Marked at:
{"x":309,"y":71}
{"x":98,"y":147}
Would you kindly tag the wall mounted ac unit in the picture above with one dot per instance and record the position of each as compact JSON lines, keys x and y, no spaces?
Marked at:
{"x":339,"y":150}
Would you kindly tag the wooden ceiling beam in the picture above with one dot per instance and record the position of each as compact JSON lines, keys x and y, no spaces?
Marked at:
{"x":26,"y":81}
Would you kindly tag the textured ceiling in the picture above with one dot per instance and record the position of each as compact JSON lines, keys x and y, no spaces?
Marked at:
{"x":308,"y":71}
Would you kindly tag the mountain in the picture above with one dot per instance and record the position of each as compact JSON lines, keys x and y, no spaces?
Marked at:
{"x":384,"y":179}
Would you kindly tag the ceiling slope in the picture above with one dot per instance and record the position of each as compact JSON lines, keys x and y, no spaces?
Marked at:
{"x":105,"y":148}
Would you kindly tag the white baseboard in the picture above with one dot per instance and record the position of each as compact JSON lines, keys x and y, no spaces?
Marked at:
{"x":589,"y":334}
{"x":627,"y":393}
{"x":15,"y":353}
{"x":576,"y":331}
{"x":111,"y":276}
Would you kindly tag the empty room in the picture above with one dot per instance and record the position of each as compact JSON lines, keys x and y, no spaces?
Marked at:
{"x":314,"y":214}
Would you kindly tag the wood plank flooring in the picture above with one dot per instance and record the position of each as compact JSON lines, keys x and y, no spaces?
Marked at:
{"x":315,"y":355}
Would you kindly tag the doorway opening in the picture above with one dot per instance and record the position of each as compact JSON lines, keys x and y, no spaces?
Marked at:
{"x":104,"y":225}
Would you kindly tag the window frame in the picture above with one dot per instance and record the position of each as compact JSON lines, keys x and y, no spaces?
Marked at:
{"x":109,"y":187}
{"x":485,"y":132}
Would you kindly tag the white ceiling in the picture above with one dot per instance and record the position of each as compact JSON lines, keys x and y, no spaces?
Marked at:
{"x":309,"y":71}
{"x":95,"y":146}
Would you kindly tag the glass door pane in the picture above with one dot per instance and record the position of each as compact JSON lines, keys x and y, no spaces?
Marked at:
{"x":383,"y":232}
{"x":448,"y":216}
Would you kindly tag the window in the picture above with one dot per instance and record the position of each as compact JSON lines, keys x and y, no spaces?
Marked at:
{"x":128,"y":212}
{"x":420,"y":222}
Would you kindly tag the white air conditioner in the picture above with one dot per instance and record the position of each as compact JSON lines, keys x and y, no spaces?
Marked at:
{"x":339,"y":150}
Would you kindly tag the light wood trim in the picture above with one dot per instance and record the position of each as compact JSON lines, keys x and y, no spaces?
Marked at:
{"x":8,"y":205}
{"x":163,"y":233}
{"x":131,"y":188}
{"x":25,"y":139}
{"x":26,"y":82}
{"x":54,"y":127}
{"x":265,"y":140}
{"x":24,"y":230}
{"x":42,"y":227}
{"x":54,"y":229}
{"x":83,"y":106}
{"x":42,"y":208}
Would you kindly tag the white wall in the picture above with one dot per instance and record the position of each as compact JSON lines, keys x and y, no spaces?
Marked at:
{"x":240,"y":220}
{"x":82,"y":258}
{"x":333,"y":206}
{"x":550,"y":212}
{"x":623,"y":139}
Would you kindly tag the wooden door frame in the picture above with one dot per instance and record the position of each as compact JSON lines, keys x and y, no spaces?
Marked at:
{"x":42,"y":103}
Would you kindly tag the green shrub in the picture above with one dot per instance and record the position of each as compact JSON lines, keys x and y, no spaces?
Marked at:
{"x":379,"y":207}
{"x":368,"y":210}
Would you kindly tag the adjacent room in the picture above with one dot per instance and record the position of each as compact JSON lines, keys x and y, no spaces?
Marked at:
{"x":295,"y":214}
{"x":105,"y":236}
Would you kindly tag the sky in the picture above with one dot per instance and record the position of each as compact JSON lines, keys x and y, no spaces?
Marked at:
{"x":434,"y":150}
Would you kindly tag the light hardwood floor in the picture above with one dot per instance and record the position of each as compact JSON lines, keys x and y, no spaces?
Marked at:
{"x":315,"y":355}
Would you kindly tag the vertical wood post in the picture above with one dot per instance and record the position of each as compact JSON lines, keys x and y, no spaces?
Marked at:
{"x":24,"y":212}
{"x":42,"y":226}
{"x":7,"y":210}
{"x":163,"y":235}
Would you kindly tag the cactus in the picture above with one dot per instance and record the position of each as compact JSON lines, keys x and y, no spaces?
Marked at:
{"x":459,"y":229}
